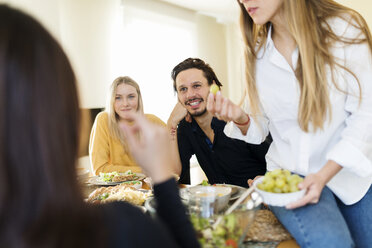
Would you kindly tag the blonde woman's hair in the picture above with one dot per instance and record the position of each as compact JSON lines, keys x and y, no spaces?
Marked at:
{"x":113,"y":120}
{"x":307,"y":22}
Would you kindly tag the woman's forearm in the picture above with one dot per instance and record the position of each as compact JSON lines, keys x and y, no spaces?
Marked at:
{"x":328,"y":171}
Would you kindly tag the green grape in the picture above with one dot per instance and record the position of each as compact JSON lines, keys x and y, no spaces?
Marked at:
{"x":276,"y":172}
{"x":279,"y":183}
{"x":265,"y":179}
{"x":268,"y":175}
{"x":268,"y":188}
{"x":286,"y":188}
{"x":293,"y":188}
{"x":297,"y":177}
{"x":214,"y":89}
{"x":270,"y":183}
{"x":292,"y":178}
{"x":281,"y":177}
{"x":261,"y":186}
{"x":277,"y":190}
{"x":286,"y":172}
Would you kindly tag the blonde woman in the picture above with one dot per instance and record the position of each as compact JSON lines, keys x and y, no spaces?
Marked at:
{"x":108,"y":149}
{"x":309,"y":81}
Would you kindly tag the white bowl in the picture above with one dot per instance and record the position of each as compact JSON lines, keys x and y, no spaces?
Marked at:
{"x":278,"y":199}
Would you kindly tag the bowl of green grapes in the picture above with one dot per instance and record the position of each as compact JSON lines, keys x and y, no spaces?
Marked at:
{"x":279,"y":187}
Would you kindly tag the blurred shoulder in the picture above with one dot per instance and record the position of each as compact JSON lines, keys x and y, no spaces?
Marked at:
{"x":116,"y":209}
{"x":102,"y":118}
{"x":128,"y":226}
{"x":155,"y":119}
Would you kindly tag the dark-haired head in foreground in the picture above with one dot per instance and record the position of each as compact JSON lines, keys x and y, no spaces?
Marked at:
{"x":40,"y":201}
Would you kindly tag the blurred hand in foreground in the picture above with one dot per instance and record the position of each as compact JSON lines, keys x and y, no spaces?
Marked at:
{"x":149,"y":145}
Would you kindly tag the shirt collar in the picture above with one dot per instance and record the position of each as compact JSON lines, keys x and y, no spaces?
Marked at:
{"x":270,"y":45}
{"x":269,"y":40}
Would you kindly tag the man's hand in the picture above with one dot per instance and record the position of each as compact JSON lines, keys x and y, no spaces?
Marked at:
{"x":178,"y":113}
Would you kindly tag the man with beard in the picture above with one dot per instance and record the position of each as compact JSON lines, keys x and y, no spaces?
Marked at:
{"x":195,"y":131}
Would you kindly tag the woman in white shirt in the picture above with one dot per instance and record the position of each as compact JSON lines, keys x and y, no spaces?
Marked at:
{"x":309,"y":81}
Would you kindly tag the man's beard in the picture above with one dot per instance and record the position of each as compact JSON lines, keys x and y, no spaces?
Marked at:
{"x":198,"y":114}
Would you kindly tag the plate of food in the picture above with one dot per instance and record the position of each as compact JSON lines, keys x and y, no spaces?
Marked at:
{"x":115,"y":178}
{"x":135,"y":184}
{"x":121,"y":192}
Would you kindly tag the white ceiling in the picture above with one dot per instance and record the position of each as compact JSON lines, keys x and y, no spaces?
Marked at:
{"x":223,"y":10}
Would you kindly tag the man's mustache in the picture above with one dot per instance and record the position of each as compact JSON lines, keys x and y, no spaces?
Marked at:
{"x":193,"y":99}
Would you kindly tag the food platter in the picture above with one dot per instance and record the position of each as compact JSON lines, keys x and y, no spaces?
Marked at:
{"x":119,"y":192}
{"x":236,"y":191}
{"x":96,"y":180}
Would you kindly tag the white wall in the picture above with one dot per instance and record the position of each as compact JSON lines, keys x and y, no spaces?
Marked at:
{"x":211,"y":46}
{"x":47,"y":12}
{"x":86,"y":29}
{"x":235,"y":63}
{"x":156,"y":36}
{"x":364,"y":7}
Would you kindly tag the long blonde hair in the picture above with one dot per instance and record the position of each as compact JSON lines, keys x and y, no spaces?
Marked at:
{"x":307,"y":22}
{"x":113,"y":120}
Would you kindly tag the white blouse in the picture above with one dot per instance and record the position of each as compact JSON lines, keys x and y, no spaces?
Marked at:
{"x":346,"y":137}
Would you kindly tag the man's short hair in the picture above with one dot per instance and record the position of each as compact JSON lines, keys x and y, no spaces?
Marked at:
{"x":197,"y":64}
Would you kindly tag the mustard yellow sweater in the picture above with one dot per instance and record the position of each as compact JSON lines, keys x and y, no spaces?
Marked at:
{"x":106,"y":152}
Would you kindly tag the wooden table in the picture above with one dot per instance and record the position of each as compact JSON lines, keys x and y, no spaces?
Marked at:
{"x":88,"y":188}
{"x":288,"y":244}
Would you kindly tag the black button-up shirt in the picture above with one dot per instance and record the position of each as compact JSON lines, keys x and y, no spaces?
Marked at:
{"x":226,"y":160}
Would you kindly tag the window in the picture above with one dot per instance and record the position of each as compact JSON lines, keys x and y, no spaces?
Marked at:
{"x":147,"y":49}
